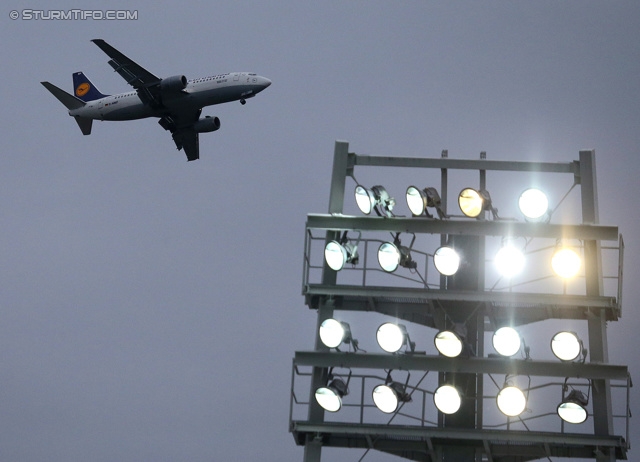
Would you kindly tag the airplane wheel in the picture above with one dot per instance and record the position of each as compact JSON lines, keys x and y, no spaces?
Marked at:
{"x":243,"y":102}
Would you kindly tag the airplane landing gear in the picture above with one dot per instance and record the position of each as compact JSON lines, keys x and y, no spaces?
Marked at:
{"x":243,"y":101}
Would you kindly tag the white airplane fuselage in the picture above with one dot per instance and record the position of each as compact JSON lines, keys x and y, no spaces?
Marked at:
{"x":206,"y":91}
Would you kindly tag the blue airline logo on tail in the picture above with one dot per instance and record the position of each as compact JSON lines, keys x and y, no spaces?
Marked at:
{"x":84,"y":89}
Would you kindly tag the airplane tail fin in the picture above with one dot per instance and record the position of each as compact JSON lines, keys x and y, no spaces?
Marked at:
{"x":84,"y":89}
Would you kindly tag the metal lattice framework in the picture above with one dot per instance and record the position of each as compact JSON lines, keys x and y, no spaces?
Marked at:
{"x":417,"y":431}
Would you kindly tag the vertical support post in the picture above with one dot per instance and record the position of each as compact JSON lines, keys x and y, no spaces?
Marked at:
{"x":597,"y":322}
{"x":319,"y":375}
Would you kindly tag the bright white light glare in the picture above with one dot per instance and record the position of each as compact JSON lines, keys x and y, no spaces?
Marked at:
{"x":446,"y":261}
{"x":329,"y":399}
{"x":391,"y":336}
{"x":332,"y":333}
{"x":364,"y":199}
{"x":447,"y":399}
{"x":335,"y":255}
{"x":448,"y":343}
{"x":416,"y":200}
{"x":566,"y":346}
{"x":506,"y":341}
{"x":509,"y":261}
{"x":573,"y":408}
{"x":471,"y":202}
{"x":389,"y":257}
{"x":511,"y":401}
{"x":566,"y":263}
{"x":533,"y":203}
{"x":385,"y":398}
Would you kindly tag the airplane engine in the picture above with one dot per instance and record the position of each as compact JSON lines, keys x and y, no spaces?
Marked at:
{"x":173,"y":83}
{"x":207,"y":124}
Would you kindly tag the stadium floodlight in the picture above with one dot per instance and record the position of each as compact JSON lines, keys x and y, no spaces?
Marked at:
{"x":388,"y":397}
{"x":393,"y":255}
{"x":339,"y":253}
{"x":447,"y":399}
{"x":506,"y":341}
{"x":450,"y":343}
{"x":533,"y":204}
{"x":334,"y":333}
{"x":375,"y":199}
{"x":511,"y":401}
{"x":391,"y":337}
{"x":330,"y":397}
{"x":566,"y":262}
{"x":473,"y":202}
{"x":567,"y":346}
{"x":446,"y":260}
{"x":509,"y":261}
{"x":573,"y":408}
{"x":419,"y":200}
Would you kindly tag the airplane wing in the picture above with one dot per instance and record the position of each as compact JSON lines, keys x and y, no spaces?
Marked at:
{"x":187,"y":139}
{"x":184,"y":135}
{"x":137,"y":76}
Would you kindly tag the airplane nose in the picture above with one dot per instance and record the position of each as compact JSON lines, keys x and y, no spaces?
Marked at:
{"x":266,"y":82}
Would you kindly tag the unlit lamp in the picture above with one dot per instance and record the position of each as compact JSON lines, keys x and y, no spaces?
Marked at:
{"x":573,"y":408}
{"x":419,"y":200}
{"x":377,"y":198}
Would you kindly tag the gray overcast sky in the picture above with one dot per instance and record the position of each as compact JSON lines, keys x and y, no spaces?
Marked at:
{"x":150,"y":307}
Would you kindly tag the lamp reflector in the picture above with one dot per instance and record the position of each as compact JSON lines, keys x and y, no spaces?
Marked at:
{"x":506,"y":341}
{"x":573,"y":409}
{"x":335,"y":255}
{"x":416,"y":200}
{"x":448,"y":343}
{"x":391,"y":336}
{"x":385,"y":398}
{"x":533,"y":204}
{"x":333,"y":333}
{"x":364,"y":199}
{"x":566,"y":263}
{"x":471,"y":202}
{"x":389,"y":257}
{"x":511,"y":401}
{"x":447,"y":399}
{"x":446,"y":260}
{"x":509,"y":261}
{"x":566,"y":346}
{"x":330,"y":397}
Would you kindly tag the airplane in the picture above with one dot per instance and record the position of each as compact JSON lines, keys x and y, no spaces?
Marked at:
{"x":176,"y":101}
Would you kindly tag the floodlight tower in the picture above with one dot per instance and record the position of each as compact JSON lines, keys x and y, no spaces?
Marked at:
{"x":453,"y":418}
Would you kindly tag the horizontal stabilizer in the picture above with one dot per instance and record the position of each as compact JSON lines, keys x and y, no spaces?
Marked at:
{"x":70,"y":101}
{"x":85,"y":124}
